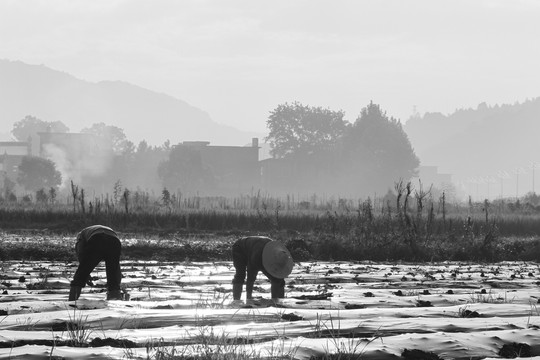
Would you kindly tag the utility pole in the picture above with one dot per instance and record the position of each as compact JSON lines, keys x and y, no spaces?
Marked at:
{"x":517,"y":184}
{"x":533,"y":167}
{"x":502,"y":174}
{"x":518,"y":171}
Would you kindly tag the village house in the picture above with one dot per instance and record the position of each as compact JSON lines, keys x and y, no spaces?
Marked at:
{"x":11,"y":154}
{"x":236,"y":168}
{"x":430,"y":176}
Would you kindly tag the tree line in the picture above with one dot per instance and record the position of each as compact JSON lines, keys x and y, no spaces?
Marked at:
{"x":327,"y":152}
{"x":315,"y":149}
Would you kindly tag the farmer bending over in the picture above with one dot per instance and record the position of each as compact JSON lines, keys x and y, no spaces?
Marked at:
{"x":260,"y":253}
{"x":94,"y":244}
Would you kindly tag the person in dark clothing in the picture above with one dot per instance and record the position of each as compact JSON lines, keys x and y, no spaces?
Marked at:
{"x":94,"y":244}
{"x":259,"y":253}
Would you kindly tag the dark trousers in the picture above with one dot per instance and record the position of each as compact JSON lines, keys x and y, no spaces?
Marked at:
{"x":98,"y":248}
{"x":240,"y":264}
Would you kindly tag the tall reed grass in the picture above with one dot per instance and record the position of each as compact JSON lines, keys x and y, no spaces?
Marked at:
{"x":407,"y":226}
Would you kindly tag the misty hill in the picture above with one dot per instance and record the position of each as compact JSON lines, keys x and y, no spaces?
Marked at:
{"x":478,"y":142}
{"x":52,"y":95}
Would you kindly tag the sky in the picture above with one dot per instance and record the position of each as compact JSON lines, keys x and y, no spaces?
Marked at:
{"x":239,"y":59}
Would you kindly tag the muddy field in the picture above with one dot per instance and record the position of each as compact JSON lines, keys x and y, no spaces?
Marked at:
{"x":332,"y":309}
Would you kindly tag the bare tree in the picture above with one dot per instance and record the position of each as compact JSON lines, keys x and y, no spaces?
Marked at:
{"x":74,"y":194}
{"x":420,"y":195}
{"x":81,"y":200}
{"x":400,"y":189}
{"x":126,"y":200}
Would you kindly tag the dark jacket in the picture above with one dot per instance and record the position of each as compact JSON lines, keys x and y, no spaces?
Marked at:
{"x":86,"y":234}
{"x":248,"y":252}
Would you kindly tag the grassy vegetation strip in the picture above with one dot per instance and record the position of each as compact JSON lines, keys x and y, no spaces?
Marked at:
{"x":61,"y":248}
{"x":308,"y":246}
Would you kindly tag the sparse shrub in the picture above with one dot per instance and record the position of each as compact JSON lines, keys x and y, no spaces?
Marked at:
{"x":42,"y":196}
{"x":12,"y":197}
{"x":52,"y":194}
{"x":78,"y":329}
{"x":166,"y":198}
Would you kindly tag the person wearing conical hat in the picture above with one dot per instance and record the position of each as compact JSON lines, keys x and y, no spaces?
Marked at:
{"x":260,"y":253}
{"x":94,"y":244}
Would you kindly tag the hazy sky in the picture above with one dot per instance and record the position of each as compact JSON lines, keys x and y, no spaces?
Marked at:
{"x":239,"y":59}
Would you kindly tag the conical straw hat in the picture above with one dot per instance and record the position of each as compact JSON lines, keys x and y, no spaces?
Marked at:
{"x":277,"y":260}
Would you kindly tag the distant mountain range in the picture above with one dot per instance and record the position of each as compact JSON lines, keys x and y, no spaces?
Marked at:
{"x":489,"y":141}
{"x":52,"y":95}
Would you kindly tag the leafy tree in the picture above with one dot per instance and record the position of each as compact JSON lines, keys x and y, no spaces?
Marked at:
{"x":12,"y":197}
{"x":166,"y":145}
{"x":531,"y":198}
{"x":52,"y":194}
{"x":184,"y":170}
{"x":30,"y":126}
{"x":143,"y":147}
{"x":144,"y":163}
{"x":136,"y":167}
{"x":36,"y":173}
{"x":376,"y":151}
{"x":112,"y":135}
{"x":42,"y":196}
{"x":8,"y":187}
{"x":296,"y":129}
{"x":166,"y":197}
